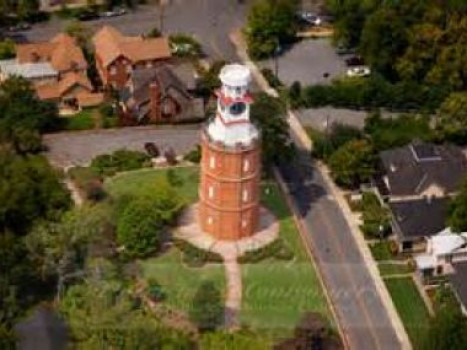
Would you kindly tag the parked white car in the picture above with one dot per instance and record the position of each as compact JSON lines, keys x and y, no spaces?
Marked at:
{"x":361,"y":71}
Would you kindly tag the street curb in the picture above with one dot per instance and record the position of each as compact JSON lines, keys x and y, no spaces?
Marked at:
{"x":309,"y":248}
{"x":298,"y":129}
{"x":369,"y":260}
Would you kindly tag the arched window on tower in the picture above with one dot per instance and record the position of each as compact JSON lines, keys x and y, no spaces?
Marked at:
{"x":211,"y":192}
{"x":246,"y":165}
{"x":245,"y":195}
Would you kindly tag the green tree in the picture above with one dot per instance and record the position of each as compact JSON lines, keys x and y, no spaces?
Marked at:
{"x":353,"y":163}
{"x":453,"y":118}
{"x":29,"y":190}
{"x":142,"y":222}
{"x":60,"y":248}
{"x":448,"y":330}
{"x":22,"y":112}
{"x":209,"y":80}
{"x":270,"y":23}
{"x":7,"y":49}
{"x":102,"y":313}
{"x":457,"y":210}
{"x":207,"y":310}
{"x":80,"y":32}
{"x":269,"y":113}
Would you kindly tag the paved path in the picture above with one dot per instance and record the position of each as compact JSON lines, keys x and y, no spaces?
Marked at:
{"x":365,"y":313}
{"x":189,"y":230}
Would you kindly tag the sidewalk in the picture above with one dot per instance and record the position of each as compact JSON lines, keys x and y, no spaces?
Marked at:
{"x":301,"y":135}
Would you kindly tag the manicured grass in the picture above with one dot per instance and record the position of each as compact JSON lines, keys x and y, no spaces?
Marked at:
{"x":138,"y":182}
{"x":410,"y":306}
{"x":387,"y":269}
{"x":381,"y":251}
{"x":83,"y":120}
{"x":277,"y":293}
{"x":179,"y":282}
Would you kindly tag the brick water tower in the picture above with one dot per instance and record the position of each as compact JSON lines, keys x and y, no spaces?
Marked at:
{"x":230,"y":163}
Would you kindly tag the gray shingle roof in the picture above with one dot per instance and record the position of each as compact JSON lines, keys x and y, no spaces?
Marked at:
{"x":413,"y":168}
{"x":419,"y":217}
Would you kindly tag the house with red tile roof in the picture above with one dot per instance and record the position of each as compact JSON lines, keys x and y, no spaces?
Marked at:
{"x":118,"y":55}
{"x":57,"y":69}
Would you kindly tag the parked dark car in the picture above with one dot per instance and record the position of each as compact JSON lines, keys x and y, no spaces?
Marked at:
{"x":88,"y":15}
{"x":354,"y":61}
{"x":345,"y":50}
{"x":152,"y":149}
{"x":20,"y":27}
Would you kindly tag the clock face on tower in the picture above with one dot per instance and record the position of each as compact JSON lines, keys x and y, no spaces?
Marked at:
{"x":237,"y":108}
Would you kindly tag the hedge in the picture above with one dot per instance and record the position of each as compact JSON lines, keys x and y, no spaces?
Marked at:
{"x":194,"y":256}
{"x":277,"y":249}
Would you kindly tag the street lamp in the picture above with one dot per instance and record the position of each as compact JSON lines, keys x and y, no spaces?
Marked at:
{"x":277,"y":50}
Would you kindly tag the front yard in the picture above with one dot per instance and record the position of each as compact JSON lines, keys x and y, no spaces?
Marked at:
{"x":275,"y":293}
{"x":410,"y":306}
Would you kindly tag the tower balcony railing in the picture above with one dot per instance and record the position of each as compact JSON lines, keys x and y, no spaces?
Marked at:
{"x":238,"y":147}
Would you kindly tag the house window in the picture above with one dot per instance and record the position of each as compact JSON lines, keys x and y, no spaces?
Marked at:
{"x":211,"y":192}
{"x":210,"y":220}
{"x":113,"y":70}
{"x":246,"y":165}
{"x":212,"y":162}
{"x":149,"y":65}
{"x":129,"y":69}
{"x":245,"y":195}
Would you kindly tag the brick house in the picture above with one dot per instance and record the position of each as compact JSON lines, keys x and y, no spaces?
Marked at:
{"x":162,"y":94}
{"x":57,"y":70}
{"x":118,"y":55}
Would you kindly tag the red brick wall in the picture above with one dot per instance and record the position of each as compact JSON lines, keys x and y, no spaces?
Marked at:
{"x":229,"y":191}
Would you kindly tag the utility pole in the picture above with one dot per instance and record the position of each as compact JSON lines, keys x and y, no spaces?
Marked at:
{"x":162,"y":4}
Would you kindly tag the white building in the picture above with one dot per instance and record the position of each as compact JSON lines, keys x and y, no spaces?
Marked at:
{"x":442,"y":251}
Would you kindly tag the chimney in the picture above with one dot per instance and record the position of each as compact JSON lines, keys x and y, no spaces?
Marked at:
{"x":155,"y":96}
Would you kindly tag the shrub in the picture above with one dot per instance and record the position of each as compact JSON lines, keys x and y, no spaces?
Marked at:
{"x":120,"y":160}
{"x":107,"y":110}
{"x":271,"y":78}
{"x":7,"y":49}
{"x":194,"y":155}
{"x":375,"y":216}
{"x":194,"y":256}
{"x":170,"y":156}
{"x":278,"y":249}
{"x":152,"y":149}
{"x":185,"y":45}
{"x":155,"y":291}
{"x":88,"y":181}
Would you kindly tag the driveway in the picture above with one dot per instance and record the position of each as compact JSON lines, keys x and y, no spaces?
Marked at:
{"x":307,"y":62}
{"x":79,"y":148}
{"x":209,"y":21}
{"x":319,"y":118}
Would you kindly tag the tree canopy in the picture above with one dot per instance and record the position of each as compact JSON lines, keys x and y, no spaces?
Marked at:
{"x":29,"y":190}
{"x":270,"y":113}
{"x":207,"y":311}
{"x":353,"y":163}
{"x":270,"y":23}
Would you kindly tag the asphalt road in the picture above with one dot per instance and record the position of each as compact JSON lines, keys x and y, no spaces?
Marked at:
{"x":347,"y":278}
{"x":66,"y":149}
{"x":209,"y":21}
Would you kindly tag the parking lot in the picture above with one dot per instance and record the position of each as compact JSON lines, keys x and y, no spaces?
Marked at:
{"x":67,"y":149}
{"x":308,"y":62}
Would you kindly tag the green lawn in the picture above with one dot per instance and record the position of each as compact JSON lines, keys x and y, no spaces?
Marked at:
{"x":410,"y":306}
{"x":387,"y":269}
{"x":83,"y":120}
{"x":275,"y":293}
{"x":138,"y":182}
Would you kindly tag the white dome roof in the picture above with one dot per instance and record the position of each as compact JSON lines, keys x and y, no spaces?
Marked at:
{"x":235,"y":75}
